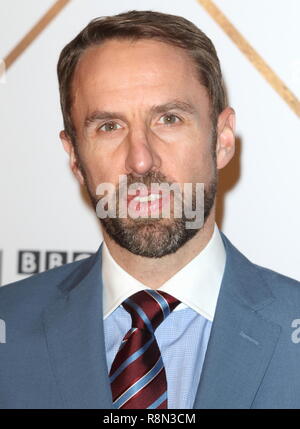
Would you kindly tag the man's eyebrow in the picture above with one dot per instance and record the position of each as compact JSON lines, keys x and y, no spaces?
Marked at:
{"x":174,"y":105}
{"x":98,"y":115}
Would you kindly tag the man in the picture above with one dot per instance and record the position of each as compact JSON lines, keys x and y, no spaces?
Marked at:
{"x":163,"y":315}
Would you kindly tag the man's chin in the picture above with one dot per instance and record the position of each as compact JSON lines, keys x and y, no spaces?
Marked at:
{"x":148,"y":237}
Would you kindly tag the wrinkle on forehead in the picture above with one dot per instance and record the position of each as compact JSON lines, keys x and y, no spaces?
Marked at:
{"x":98,"y":63}
{"x":122,"y":70}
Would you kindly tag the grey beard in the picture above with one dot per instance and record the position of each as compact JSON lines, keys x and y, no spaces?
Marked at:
{"x":154,"y":238}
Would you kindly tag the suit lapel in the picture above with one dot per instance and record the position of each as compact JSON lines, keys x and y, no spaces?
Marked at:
{"x":240,"y":347}
{"x":242,"y":342}
{"x":75,"y":339}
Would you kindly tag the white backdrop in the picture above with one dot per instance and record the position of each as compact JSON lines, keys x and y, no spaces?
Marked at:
{"x":42,"y":210}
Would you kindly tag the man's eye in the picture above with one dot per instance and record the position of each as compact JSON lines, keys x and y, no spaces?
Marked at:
{"x":109,"y":126}
{"x":169,"y":119}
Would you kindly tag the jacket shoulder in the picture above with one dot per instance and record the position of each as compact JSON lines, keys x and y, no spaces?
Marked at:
{"x":42,"y":286}
{"x":262,"y":280}
{"x":280,"y":284}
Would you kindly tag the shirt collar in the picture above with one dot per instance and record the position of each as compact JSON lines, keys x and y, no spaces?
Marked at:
{"x":201,"y":278}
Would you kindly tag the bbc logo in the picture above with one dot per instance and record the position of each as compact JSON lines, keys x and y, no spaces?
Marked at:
{"x":35,"y":261}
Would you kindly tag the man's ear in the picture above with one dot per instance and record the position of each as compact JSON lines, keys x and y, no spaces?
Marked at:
{"x":69,"y":148}
{"x":226,"y":137}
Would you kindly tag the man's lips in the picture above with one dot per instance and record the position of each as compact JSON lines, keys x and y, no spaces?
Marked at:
{"x":142,"y":194}
{"x":153,"y":207}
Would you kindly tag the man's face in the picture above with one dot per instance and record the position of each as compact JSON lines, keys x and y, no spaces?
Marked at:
{"x":140,"y":111}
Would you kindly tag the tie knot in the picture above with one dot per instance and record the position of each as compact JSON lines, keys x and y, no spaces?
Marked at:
{"x":148,"y":308}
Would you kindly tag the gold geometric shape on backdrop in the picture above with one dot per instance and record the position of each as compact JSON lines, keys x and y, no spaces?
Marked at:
{"x":253,"y":56}
{"x":218,"y":16}
{"x":34,"y":32}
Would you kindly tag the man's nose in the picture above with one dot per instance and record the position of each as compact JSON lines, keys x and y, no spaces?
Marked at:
{"x":141,"y":156}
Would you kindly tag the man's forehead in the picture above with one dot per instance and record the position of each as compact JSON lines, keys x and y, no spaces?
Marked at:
{"x":112,"y":78}
{"x":126,"y":45}
{"x":136,"y":60}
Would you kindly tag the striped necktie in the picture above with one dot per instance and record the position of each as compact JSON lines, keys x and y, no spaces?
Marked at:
{"x":137,"y":375}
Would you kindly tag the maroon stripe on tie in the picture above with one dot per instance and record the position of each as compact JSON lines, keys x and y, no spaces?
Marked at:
{"x":146,"y":396}
{"x":132,"y":345}
{"x":163,"y":405}
{"x":133,"y":372}
{"x":150,"y":307}
{"x":173,"y":302}
{"x":142,"y":365}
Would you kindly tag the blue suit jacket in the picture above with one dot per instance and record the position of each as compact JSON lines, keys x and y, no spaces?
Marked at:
{"x":54,"y":355}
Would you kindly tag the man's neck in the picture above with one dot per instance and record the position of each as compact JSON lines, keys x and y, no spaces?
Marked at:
{"x":154,"y":272}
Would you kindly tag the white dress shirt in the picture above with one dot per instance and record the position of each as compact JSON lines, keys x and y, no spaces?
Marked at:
{"x":184,"y":335}
{"x":201,"y":278}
